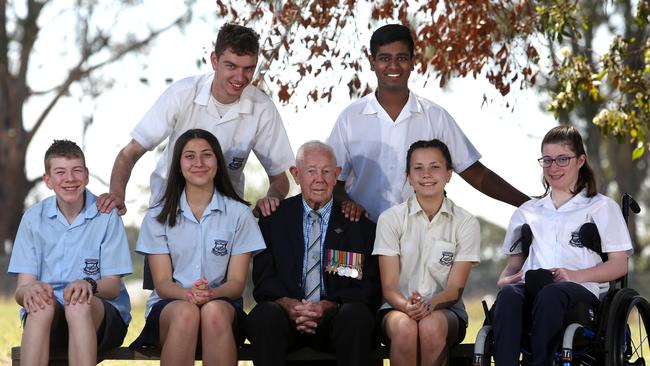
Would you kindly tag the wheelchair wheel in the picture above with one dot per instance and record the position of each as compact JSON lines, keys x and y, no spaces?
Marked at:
{"x":626,"y":334}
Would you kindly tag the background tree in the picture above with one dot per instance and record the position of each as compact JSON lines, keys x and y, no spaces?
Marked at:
{"x":544,"y":44}
{"x":92,"y":34}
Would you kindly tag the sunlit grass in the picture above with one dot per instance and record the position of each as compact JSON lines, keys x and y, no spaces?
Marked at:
{"x":11,"y":331}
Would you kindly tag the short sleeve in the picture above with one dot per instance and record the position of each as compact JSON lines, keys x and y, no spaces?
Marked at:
{"x":115,"y":255}
{"x":272,"y":146}
{"x":513,"y":233}
{"x":388,"y":234}
{"x":463,"y":153}
{"x":159,"y":121}
{"x":153,"y":235}
{"x":248,"y":237}
{"x":338,"y":142}
{"x":468,"y":238}
{"x":23,"y":255}
{"x":614,"y":235}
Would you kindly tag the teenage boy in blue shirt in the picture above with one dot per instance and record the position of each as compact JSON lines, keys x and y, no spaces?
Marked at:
{"x":69,"y":259}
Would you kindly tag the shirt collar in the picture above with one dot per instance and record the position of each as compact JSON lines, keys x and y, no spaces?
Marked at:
{"x":579,"y":199}
{"x":217,"y":203}
{"x":245,"y":104}
{"x":414,"y":207}
{"x":324,"y":211}
{"x":87,"y":212}
{"x":373,"y":106}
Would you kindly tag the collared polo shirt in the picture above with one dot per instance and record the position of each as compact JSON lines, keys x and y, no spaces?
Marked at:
{"x":253,"y":124}
{"x":200,"y":248}
{"x":58,"y":253}
{"x":556,"y":243}
{"x":371,"y":148}
{"x":428,"y":249}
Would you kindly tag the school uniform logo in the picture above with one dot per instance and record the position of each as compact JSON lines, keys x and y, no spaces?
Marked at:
{"x":236,"y":163}
{"x":575,"y":240}
{"x":447,"y":258}
{"x":91,"y":267}
{"x":220,"y":247}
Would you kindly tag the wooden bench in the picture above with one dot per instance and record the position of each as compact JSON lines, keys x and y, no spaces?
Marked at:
{"x":461,"y":355}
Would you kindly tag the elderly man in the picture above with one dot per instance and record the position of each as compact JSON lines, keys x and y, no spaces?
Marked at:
{"x":316,"y":283}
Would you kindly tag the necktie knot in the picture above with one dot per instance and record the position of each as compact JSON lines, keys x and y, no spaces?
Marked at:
{"x":315,"y":216}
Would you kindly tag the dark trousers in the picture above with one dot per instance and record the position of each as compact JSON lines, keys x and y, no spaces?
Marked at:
{"x":547,"y":319}
{"x":347,"y":331}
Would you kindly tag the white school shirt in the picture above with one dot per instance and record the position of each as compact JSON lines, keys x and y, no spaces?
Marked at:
{"x":200,"y":248}
{"x":556,"y":243}
{"x":428,"y":249}
{"x":58,"y":253}
{"x":371,"y":148}
{"x":252,"y":124}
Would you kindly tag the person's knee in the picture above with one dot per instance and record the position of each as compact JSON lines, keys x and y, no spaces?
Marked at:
{"x":433,"y":333}
{"x":185,"y":316}
{"x":354,"y":316}
{"x":402,"y":332}
{"x":79,"y":312}
{"x":217,"y":315}
{"x":44,"y":316}
{"x":266,"y":315}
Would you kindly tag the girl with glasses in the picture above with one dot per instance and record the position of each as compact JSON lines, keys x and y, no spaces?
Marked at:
{"x":574,"y":273}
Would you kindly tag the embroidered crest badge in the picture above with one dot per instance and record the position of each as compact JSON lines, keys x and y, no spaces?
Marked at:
{"x":91,"y":267}
{"x":236,"y":163}
{"x":447,"y":258}
{"x":220,"y":247}
{"x":575,"y":240}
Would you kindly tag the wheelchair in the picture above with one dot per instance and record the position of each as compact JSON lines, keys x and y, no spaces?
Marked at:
{"x":614,"y":334}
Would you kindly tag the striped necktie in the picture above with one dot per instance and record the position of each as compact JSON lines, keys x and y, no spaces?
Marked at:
{"x":312,"y":282}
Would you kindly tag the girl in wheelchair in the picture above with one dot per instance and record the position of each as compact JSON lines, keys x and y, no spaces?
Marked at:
{"x":426,"y":248}
{"x":574,"y":273}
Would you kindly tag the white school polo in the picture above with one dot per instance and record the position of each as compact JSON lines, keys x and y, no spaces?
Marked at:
{"x":253,"y":124}
{"x":59,"y":253}
{"x":200,"y":248}
{"x":556,"y":243}
{"x":428,"y":249}
{"x":371,"y":148}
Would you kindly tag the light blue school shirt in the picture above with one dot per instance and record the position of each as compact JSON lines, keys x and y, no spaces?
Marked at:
{"x":200,"y":248}
{"x":59,"y":253}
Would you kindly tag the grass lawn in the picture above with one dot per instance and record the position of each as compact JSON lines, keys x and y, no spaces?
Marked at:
{"x":11,"y":330}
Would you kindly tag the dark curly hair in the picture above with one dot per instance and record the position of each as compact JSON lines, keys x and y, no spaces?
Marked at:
{"x":238,"y":39}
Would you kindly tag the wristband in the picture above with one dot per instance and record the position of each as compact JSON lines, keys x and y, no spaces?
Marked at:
{"x":92,"y":283}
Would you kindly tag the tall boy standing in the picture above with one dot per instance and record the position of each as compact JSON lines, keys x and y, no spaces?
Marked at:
{"x":243,"y":118}
{"x":372,"y":135}
{"x":69,"y":259}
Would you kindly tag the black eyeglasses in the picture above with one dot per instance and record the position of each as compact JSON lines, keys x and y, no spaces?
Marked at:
{"x":561,"y":161}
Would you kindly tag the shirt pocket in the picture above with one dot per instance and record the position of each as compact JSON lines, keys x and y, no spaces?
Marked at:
{"x":217,"y":252}
{"x":89,"y":263}
{"x":441,"y":257}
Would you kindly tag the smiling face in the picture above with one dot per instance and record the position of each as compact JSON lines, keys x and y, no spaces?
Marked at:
{"x":233,"y":73}
{"x":428,"y":173}
{"x":68,"y":178}
{"x":316,"y":173}
{"x":392,"y":65}
{"x":198,"y":164}
{"x":562,"y":178}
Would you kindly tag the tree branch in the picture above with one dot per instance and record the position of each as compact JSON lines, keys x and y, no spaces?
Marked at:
{"x":4,"y":42}
{"x":30,"y":33}
{"x":78,"y":72}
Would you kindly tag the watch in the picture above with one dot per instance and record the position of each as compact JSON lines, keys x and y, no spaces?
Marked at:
{"x":92,"y":283}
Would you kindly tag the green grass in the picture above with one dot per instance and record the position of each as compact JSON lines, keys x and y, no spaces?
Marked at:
{"x":11,"y":330}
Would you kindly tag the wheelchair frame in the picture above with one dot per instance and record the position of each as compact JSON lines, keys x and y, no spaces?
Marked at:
{"x":610,"y":343}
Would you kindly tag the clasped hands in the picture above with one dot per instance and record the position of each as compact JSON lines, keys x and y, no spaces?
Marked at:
{"x":306,"y":315}
{"x":417,"y":307}
{"x":200,"y":293}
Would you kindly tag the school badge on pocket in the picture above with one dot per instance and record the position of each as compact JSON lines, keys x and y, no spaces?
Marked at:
{"x":345,"y":264}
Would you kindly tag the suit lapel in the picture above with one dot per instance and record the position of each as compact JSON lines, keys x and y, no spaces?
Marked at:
{"x":297,"y":237}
